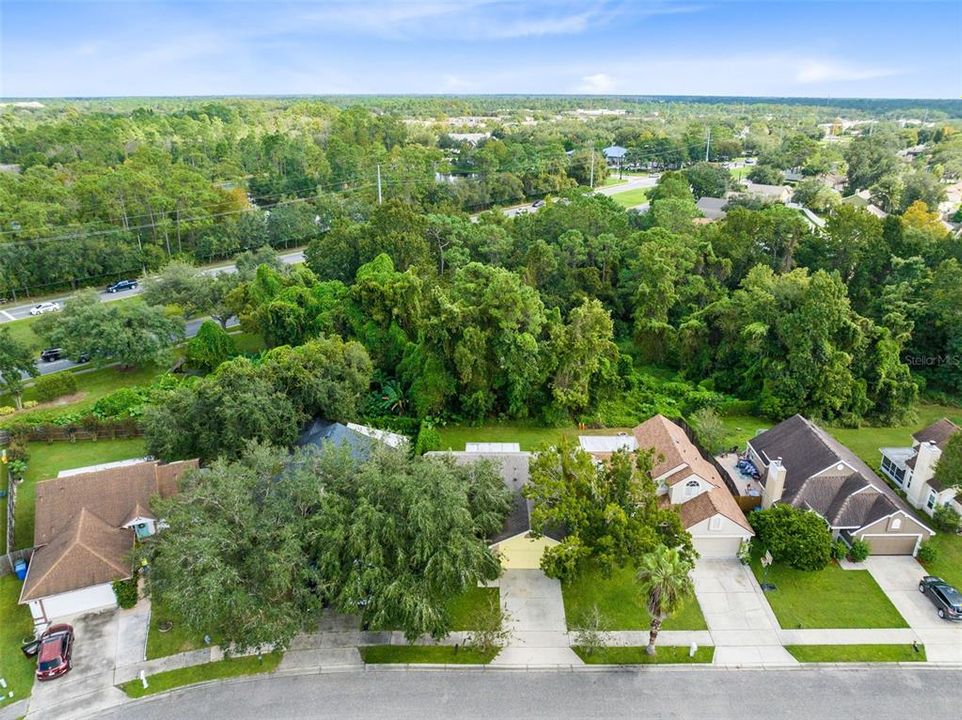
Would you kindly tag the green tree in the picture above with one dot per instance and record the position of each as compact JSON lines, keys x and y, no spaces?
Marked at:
{"x":766,"y":175}
{"x":948,"y":471}
{"x":708,"y":179}
{"x":610,"y":512}
{"x":181,"y":285}
{"x":664,"y":577}
{"x":709,"y":429}
{"x":16,"y":360}
{"x":126,"y":333}
{"x":587,"y":358}
{"x":794,"y":536}
{"x":210,"y":346}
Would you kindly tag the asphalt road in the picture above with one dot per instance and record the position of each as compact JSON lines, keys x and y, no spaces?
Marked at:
{"x":808,"y":694}
{"x":19,"y":312}
{"x":632,"y":182}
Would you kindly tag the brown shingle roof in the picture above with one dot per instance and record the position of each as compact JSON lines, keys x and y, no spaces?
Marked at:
{"x":673,"y":448}
{"x":938,"y":432}
{"x":79,"y":532}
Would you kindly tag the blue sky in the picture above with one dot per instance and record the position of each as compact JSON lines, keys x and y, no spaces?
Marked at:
{"x":238,"y":47}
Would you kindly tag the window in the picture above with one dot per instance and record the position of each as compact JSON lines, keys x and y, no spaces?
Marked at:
{"x":691,"y":488}
{"x":931,"y":502}
{"x":715,"y":523}
{"x":896,"y":524}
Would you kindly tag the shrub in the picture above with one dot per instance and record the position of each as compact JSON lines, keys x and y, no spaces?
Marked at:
{"x":928,"y":553}
{"x":125,"y":402}
{"x":946,"y":519}
{"x":17,"y":449}
{"x":7,"y":410}
{"x":428,"y":439}
{"x":795,"y":537}
{"x":50,"y":387}
{"x":126,"y":592}
{"x":839,"y":550}
{"x":592,"y":632}
{"x":709,"y":429}
{"x":858,"y":551}
{"x":30,"y":404}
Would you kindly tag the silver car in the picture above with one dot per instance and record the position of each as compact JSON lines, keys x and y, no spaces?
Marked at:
{"x":45,"y":307}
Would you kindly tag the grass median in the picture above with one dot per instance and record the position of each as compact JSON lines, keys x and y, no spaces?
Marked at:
{"x":421,"y":654}
{"x":637,"y":655}
{"x":220,"y":670}
{"x":856,"y":653}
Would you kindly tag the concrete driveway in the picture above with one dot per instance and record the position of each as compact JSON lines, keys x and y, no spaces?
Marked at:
{"x":739,"y":618}
{"x":899,"y":576}
{"x":89,"y":684}
{"x":536,"y":613}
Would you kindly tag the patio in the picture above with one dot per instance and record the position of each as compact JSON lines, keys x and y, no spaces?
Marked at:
{"x":745,"y":484}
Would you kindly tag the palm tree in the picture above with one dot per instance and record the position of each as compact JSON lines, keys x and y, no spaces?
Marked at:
{"x":663,"y":576}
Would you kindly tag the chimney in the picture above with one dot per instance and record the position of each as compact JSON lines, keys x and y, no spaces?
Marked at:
{"x":774,"y":483}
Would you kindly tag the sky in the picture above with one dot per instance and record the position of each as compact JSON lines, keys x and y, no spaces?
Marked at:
{"x":775,"y":48}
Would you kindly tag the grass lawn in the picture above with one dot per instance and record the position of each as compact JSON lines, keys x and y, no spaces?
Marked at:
{"x":47,"y":459}
{"x":630,"y":198}
{"x":948,"y":564}
{"x":636,"y":655}
{"x":530,"y":435}
{"x":856,"y":653}
{"x":465,"y":607}
{"x":3,"y":508}
{"x":227,"y":668}
{"x":16,"y":669}
{"x":742,"y":428}
{"x":22,"y":331}
{"x":436,"y":654}
{"x":614,"y":181}
{"x":621,"y":603}
{"x":248,"y":342}
{"x":94,"y":384}
{"x":176,"y":640}
{"x":828,"y":598}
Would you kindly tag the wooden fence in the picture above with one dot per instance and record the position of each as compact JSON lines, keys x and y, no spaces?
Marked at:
{"x":708,"y":457}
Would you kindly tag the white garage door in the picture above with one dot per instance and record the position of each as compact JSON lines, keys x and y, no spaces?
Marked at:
{"x":717,"y":547}
{"x":96,"y":597}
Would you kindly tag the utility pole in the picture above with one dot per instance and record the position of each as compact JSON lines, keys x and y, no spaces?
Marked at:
{"x":379,"y":199}
{"x":708,"y":143}
{"x":591,"y":174}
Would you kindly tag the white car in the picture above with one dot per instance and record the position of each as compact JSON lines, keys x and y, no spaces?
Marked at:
{"x":44,"y":308}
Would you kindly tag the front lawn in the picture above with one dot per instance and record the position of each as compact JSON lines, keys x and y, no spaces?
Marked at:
{"x":948,"y":563}
{"x":16,"y":669}
{"x":47,"y":459}
{"x":621,"y":602}
{"x":176,"y":640}
{"x":418,"y":654}
{"x":856,"y":653}
{"x":227,"y":668}
{"x":631,"y":198}
{"x":828,"y":598}
{"x":636,"y":655}
{"x":466,"y":607}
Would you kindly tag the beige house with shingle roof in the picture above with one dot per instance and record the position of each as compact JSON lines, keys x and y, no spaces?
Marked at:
{"x":86,"y":524}
{"x":685,"y":480}
{"x":913,"y":468}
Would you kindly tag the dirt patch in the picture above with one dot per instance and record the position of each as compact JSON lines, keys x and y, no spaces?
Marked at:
{"x":59,"y":402}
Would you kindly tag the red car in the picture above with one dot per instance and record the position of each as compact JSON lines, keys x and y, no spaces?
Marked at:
{"x":56,"y":646}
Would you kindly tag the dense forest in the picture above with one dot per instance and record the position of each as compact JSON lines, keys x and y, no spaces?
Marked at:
{"x":558,"y":314}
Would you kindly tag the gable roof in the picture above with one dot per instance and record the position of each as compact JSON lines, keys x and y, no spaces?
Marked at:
{"x":825,"y":476}
{"x":938,"y":432}
{"x":79,"y":533}
{"x":673,"y":449}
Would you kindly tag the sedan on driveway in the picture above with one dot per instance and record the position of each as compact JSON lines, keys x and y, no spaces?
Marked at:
{"x":46,"y":307}
{"x":56,"y":648}
{"x":947,"y":600}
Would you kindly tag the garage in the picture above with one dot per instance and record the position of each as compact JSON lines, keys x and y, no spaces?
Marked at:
{"x":717,"y":547}
{"x":892,"y":544}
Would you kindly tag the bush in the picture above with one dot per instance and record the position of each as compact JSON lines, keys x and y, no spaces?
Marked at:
{"x":30,"y":404}
{"x":859,"y":551}
{"x":795,"y":537}
{"x":946,"y":519}
{"x":839,"y":550}
{"x":7,"y":410}
{"x":928,"y":553}
{"x":17,"y":449}
{"x":125,"y":402}
{"x":51,"y":387}
{"x":126,"y":592}
{"x":428,"y":439}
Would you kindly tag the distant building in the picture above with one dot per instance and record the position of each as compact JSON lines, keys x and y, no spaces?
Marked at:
{"x":769,"y":193}
{"x":359,"y":439}
{"x":615,"y":155}
{"x":712,"y":208}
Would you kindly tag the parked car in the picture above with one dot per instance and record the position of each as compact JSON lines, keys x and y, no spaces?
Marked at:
{"x":56,"y":647}
{"x":947,"y":600}
{"x":122,"y":285}
{"x":53,"y":354}
{"x":45,"y":307}
{"x":537,"y":203}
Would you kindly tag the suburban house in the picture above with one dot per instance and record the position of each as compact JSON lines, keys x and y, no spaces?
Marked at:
{"x":687,"y":481}
{"x":86,"y":526}
{"x":360,"y":439}
{"x":712,"y":208}
{"x":615,"y":155}
{"x":913,"y":468}
{"x":517,"y":549}
{"x":768,"y":193}
{"x":802,"y":465}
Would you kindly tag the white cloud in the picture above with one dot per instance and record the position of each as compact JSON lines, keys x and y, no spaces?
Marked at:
{"x":597,"y":84}
{"x":820,"y":71}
